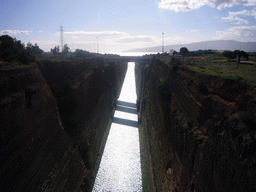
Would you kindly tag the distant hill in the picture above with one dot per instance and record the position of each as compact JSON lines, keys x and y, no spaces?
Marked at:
{"x":215,"y":45}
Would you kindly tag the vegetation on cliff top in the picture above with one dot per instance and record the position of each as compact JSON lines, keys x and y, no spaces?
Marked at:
{"x":13,"y":50}
{"x":237,"y":65}
{"x":245,"y":72}
{"x":14,"y":54}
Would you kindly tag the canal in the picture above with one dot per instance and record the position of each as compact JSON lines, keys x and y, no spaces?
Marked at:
{"x":120,"y":167}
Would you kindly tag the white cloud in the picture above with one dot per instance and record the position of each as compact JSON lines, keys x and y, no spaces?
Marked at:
{"x":13,"y":32}
{"x":240,"y":33}
{"x":108,"y":41}
{"x":244,"y":12}
{"x":194,"y":30}
{"x":74,"y":37}
{"x":235,"y":20}
{"x":182,"y":5}
{"x":132,"y":39}
{"x":188,"y":38}
{"x":114,"y":41}
{"x":46,"y":42}
{"x":102,"y":33}
{"x":230,"y":3}
{"x":188,"y":5}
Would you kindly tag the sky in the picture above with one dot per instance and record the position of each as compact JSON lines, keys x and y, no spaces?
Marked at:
{"x":119,"y":25}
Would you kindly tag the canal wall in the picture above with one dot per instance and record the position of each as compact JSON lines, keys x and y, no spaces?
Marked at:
{"x":196,"y":131}
{"x":55,"y":118}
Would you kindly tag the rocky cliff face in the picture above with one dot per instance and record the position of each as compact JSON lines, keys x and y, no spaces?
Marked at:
{"x":36,"y":153}
{"x":86,"y":94}
{"x":197,"y":131}
{"x":55,"y":146}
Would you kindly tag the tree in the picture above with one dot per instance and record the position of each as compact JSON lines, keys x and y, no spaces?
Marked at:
{"x":8,"y":43}
{"x":13,"y":50}
{"x":184,"y":51}
{"x":20,"y":45}
{"x":229,"y":54}
{"x":36,"y":50}
{"x":236,"y":53}
{"x":245,"y":55}
{"x":25,"y":57}
{"x":240,"y":54}
{"x":65,"y":49}
{"x":55,"y":50}
{"x":81,"y":53}
{"x":8,"y":55}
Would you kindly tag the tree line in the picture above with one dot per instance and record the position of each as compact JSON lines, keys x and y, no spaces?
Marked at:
{"x":56,"y":49}
{"x":237,"y":53}
{"x":228,"y":54}
{"x":12,"y":49}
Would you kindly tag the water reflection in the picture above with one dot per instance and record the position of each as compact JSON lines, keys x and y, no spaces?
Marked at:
{"x":120,"y":168}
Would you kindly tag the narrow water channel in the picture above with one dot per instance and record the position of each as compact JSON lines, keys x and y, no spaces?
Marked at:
{"x":120,"y":167}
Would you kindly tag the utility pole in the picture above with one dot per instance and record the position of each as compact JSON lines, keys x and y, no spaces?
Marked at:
{"x":97,"y":44}
{"x":162,"y":42}
{"x":61,"y":38}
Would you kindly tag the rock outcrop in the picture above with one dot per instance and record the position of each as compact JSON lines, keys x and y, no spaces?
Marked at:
{"x":54,"y":127}
{"x":197,"y":131}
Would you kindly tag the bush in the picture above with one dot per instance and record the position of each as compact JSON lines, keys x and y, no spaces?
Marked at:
{"x":175,"y":68}
{"x":24,"y":58}
{"x":8,"y":55}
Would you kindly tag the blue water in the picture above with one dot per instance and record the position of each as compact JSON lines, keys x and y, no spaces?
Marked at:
{"x":120,"y":167}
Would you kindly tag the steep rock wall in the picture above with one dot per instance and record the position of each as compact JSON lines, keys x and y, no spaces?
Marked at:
{"x":197,"y":131}
{"x":54,"y":127}
{"x":86,"y":94}
{"x":37,"y":154}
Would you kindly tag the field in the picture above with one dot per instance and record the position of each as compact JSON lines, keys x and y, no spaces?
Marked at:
{"x":219,"y":66}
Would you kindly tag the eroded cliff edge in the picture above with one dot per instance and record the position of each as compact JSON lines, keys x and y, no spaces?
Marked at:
{"x":56,"y":146}
{"x":197,"y":131}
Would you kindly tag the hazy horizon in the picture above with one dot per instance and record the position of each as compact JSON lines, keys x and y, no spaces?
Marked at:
{"x":124,"y":25}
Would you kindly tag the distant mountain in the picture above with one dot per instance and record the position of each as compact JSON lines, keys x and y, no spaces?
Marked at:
{"x":215,"y":45}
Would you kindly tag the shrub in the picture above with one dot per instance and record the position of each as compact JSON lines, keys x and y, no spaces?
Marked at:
{"x":25,"y":58}
{"x":8,"y":55}
{"x":175,"y":68}
{"x":13,"y":50}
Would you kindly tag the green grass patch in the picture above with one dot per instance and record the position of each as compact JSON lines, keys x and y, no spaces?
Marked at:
{"x":242,"y":72}
{"x":14,"y":65}
{"x":218,"y":65}
{"x":52,"y":59}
